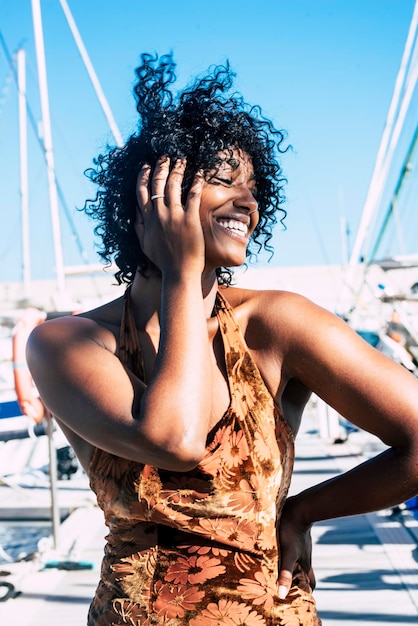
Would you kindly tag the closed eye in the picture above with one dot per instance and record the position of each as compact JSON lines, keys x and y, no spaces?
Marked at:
{"x":217,"y":180}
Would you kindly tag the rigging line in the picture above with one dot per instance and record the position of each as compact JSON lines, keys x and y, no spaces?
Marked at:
{"x":406,"y":168}
{"x":409,"y":205}
{"x":409,"y":92}
{"x":5,"y":90}
{"x":398,"y":227}
{"x":33,"y":123}
{"x":399,"y":126}
{"x":12,"y":68}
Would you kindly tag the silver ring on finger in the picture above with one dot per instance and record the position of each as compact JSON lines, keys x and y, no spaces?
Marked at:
{"x":158,"y":195}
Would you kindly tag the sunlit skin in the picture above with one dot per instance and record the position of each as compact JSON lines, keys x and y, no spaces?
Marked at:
{"x":227,"y":193}
{"x":298,"y":347}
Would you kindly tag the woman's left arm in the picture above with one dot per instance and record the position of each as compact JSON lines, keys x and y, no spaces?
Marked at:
{"x":375,"y":394}
{"x":372,"y":392}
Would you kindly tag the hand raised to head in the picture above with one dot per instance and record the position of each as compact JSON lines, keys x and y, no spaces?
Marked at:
{"x":170,"y":234}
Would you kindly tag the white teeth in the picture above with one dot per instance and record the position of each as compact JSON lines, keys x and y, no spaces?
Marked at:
{"x":234,"y":226}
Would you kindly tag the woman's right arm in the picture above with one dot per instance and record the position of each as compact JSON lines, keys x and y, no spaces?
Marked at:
{"x":85,"y":386}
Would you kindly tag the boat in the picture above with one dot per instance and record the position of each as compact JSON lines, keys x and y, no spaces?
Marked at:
{"x":380,"y":294}
{"x":28,"y":293}
{"x":40,"y":478}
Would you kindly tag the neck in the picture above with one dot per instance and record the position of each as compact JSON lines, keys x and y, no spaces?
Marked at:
{"x":146,"y":298}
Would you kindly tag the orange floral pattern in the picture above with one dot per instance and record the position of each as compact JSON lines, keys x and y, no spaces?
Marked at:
{"x":261,"y":589}
{"x":174,"y":600}
{"x":200,"y":547}
{"x":194,"y":570}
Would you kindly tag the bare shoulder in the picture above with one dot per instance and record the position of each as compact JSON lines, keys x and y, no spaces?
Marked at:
{"x":282,"y":313}
{"x":288,"y":333}
{"x":293,"y":332}
{"x":100,"y":325}
{"x":73,"y":362}
{"x":259,"y":298}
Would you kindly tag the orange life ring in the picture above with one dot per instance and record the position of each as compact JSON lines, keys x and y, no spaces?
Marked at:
{"x":29,"y":401}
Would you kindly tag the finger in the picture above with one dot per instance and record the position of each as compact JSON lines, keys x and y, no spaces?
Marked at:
{"x":143,"y":188}
{"x":287,"y":567}
{"x":159,"y":179}
{"x":195,"y":193}
{"x":174,"y":184}
{"x":284,"y":582}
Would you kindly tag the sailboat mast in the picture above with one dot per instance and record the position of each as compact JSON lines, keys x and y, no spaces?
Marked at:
{"x":23,"y":157}
{"x":92,"y":74}
{"x":355,"y":271}
{"x":47,"y":144}
{"x":387,"y":145}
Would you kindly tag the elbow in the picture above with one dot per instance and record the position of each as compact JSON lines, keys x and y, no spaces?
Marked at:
{"x":185,"y":463}
{"x":406,"y":465}
{"x":182,"y":457}
{"x":176,"y":440}
{"x":172,"y":455}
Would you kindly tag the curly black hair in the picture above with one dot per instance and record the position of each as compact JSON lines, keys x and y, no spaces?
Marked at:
{"x":203,"y":120}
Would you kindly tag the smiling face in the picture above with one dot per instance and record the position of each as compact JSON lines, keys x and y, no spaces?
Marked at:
{"x":228,"y":210}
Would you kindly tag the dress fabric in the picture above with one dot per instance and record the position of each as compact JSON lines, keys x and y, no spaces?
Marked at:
{"x":199,"y":547}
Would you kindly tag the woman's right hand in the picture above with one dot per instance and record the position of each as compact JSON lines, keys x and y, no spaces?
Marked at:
{"x":169,"y":233}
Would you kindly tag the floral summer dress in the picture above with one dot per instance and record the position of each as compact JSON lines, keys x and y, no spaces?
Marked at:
{"x":199,"y":547}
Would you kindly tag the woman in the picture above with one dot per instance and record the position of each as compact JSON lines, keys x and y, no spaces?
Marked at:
{"x":182,"y":399}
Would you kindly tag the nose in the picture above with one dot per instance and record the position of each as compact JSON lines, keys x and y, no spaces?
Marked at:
{"x":245,"y":200}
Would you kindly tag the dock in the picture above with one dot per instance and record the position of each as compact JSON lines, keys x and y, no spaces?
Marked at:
{"x":366,"y":566}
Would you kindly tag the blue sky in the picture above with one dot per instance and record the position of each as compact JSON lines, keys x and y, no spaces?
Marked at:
{"x":324,"y":70}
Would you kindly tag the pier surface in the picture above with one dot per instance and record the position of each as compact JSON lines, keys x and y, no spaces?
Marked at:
{"x":366,"y":566}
